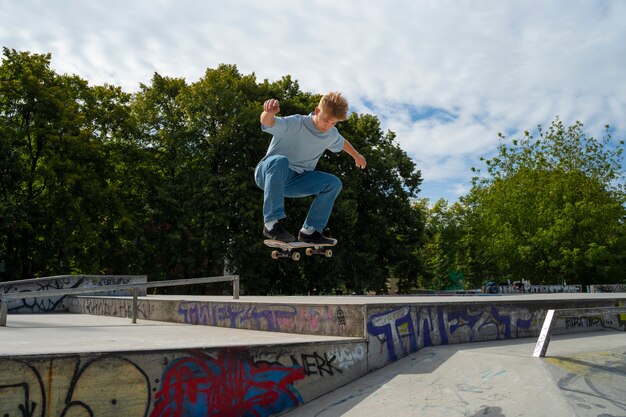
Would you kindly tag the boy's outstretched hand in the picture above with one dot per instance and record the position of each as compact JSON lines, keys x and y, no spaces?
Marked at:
{"x":271,"y":106}
{"x":360,"y":161}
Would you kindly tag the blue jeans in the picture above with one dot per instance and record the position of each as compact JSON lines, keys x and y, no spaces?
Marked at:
{"x":277,"y":181}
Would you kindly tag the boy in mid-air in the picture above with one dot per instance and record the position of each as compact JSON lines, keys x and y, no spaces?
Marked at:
{"x":288,"y":168}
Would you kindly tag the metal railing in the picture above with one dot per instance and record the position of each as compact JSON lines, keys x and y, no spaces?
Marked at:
{"x":117,"y":287}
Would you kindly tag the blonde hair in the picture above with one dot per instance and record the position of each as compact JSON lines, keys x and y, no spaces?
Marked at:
{"x":334,"y":104}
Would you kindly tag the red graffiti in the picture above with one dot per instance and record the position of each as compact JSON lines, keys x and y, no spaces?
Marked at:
{"x":231,"y":385}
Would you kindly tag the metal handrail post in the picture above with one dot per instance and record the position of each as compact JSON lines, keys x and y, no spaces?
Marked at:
{"x":236,"y":287}
{"x":135,"y":291}
{"x":3,"y":311}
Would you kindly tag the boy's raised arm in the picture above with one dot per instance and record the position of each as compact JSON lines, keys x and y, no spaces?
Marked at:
{"x":270,"y":108}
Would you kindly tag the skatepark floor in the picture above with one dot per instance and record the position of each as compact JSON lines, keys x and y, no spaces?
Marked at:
{"x":581,"y":375}
{"x":78,"y":333}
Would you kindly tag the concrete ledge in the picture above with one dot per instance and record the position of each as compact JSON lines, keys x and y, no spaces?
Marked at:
{"x":106,"y":372}
{"x":312,"y":318}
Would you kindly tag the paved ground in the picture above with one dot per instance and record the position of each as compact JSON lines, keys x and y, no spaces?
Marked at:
{"x":77,"y":333}
{"x":582,"y":375}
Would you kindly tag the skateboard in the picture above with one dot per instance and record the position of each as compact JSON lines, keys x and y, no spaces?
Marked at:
{"x":290,"y":250}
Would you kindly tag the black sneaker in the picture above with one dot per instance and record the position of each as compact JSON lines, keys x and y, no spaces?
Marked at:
{"x":316,"y":237}
{"x":278,"y":232}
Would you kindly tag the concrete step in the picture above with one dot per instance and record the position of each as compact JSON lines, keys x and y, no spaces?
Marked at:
{"x":71,"y":364}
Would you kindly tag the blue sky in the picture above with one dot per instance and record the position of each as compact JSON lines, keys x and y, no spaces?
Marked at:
{"x":445,"y":76}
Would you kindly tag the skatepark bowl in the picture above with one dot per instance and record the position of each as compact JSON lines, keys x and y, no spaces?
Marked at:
{"x":82,"y":355}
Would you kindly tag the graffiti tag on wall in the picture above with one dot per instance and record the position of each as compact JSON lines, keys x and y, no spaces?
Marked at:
{"x":56,"y":303}
{"x":230,"y":385}
{"x":276,"y":318}
{"x":403,"y":330}
{"x":28,"y":390}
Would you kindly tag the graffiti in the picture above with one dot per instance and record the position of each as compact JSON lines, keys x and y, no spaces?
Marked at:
{"x":233,"y":315}
{"x":21,"y":391}
{"x":28,"y":390}
{"x":276,"y":318}
{"x":586,"y":322}
{"x":608,"y":288}
{"x":404,"y":330}
{"x":315,"y":364}
{"x":184,"y":383}
{"x":341,"y":318}
{"x":347,"y":358}
{"x":44,"y":304}
{"x":534,"y":289}
{"x":482,"y":324}
{"x":394,"y":326}
{"x":554,"y":288}
{"x":57,"y":303}
{"x":110,"y":307}
{"x":230,"y":385}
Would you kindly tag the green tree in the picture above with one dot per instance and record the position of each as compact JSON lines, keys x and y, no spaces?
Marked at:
{"x":550,"y":209}
{"x":55,"y":171}
{"x":444,"y":251}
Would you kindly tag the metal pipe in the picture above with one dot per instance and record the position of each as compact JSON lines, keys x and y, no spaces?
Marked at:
{"x":135,"y":305}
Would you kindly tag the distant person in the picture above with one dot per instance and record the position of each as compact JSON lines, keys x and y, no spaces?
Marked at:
{"x":288,"y":168}
{"x":490,"y":288}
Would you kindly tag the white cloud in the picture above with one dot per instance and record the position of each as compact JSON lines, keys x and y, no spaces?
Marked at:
{"x":492,"y":66}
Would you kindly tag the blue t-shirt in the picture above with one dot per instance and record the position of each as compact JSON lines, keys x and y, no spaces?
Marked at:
{"x":296,"y":138}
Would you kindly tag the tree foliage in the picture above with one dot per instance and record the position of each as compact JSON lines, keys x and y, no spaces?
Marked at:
{"x":96,"y":180}
{"x":550,"y":209}
{"x":443,"y":253}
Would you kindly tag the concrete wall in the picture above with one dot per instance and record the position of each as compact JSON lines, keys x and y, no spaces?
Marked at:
{"x":258,"y":381}
{"x":59,"y":303}
{"x":392,"y":331}
{"x":327,"y":320}
{"x":395,"y":331}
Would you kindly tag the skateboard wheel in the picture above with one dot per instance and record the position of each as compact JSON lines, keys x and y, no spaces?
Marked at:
{"x":275,"y":254}
{"x":328,"y":253}
{"x":295,"y":256}
{"x":308,"y":251}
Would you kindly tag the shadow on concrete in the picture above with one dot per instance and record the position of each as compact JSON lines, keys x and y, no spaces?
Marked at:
{"x":494,"y":378}
{"x":489,"y":412}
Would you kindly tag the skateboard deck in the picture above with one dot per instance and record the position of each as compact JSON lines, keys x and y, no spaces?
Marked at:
{"x":290,"y":250}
